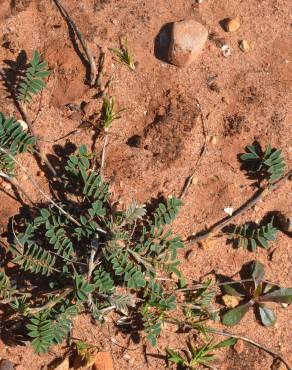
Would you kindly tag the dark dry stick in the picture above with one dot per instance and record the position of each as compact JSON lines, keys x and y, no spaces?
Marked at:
{"x":243,"y":208}
{"x":189,"y":180}
{"x":88,"y":53}
{"x":256,"y":344}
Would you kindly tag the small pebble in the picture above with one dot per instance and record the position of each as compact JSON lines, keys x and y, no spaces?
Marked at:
{"x":231,"y":24}
{"x":284,"y":305}
{"x":230,"y":301}
{"x":226,"y":51}
{"x":6,"y":365}
{"x":285,"y":221}
{"x":244,"y":46}
{"x":239,"y":347}
{"x":200,"y":1}
{"x":40,"y":173}
{"x":24,"y":177}
{"x":213,"y":140}
{"x":7,"y":186}
{"x":76,"y":116}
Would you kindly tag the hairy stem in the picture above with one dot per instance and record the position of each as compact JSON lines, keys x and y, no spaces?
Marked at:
{"x":35,"y":184}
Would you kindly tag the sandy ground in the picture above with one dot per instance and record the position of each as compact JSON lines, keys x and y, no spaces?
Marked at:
{"x":155,"y":146}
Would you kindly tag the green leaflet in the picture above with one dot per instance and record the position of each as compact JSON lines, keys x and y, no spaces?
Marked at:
{"x":33,"y":81}
{"x":268,"y":164}
{"x":249,"y":236}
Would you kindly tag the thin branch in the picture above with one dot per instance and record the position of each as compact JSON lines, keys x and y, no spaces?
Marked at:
{"x":35,"y":184}
{"x":88,"y":53}
{"x":105,"y":143}
{"x":276,"y":355}
{"x":260,"y":194}
{"x":189,"y":180}
{"x":187,"y":324}
{"x":51,"y":303}
{"x":13,"y":181}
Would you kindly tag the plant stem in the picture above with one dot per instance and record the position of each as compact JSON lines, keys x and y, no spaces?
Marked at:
{"x":243,"y":208}
{"x":203,"y":149}
{"x":22,"y":110}
{"x":35,"y":184}
{"x":51,"y":303}
{"x":106,"y":139}
{"x":13,"y":181}
{"x":256,"y":344}
{"x":88,"y":53}
{"x":230,"y":335}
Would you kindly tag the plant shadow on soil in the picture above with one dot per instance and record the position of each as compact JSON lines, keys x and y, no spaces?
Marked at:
{"x":12,"y":331}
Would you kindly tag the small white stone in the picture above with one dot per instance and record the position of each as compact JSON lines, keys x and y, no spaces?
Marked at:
{"x":226,"y":51}
{"x":7,"y":186}
{"x":229,"y":210}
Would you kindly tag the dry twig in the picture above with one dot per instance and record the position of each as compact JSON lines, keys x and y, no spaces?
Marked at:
{"x":189,"y":180}
{"x":88,"y":53}
{"x":243,"y":208}
{"x":276,"y":355}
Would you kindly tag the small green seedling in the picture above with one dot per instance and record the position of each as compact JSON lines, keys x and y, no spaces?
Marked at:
{"x":195,"y":357}
{"x":268,"y":165}
{"x":33,"y":82}
{"x":256,"y":296}
{"x":108,"y":112}
{"x":123,"y":55}
{"x":250,"y":236}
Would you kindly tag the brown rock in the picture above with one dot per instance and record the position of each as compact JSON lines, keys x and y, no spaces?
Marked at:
{"x":230,"y":301}
{"x":230,"y":24}
{"x":92,"y":108}
{"x":76,"y":116}
{"x":6,"y":365}
{"x":285,"y":221}
{"x":103,"y":361}
{"x":239,"y":347}
{"x":187,"y":41}
{"x":244,"y":46}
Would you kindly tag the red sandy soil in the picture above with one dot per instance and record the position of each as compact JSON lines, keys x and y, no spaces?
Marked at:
{"x":244,"y":97}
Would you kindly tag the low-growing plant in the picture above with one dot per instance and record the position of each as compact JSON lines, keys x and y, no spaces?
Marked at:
{"x":123,"y":54}
{"x":267,"y":165}
{"x":94,"y":260}
{"x":194,"y":357}
{"x":255,"y":295}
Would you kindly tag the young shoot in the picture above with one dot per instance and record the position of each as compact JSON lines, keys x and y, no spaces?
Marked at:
{"x":122,"y":55}
{"x":108,"y":112}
